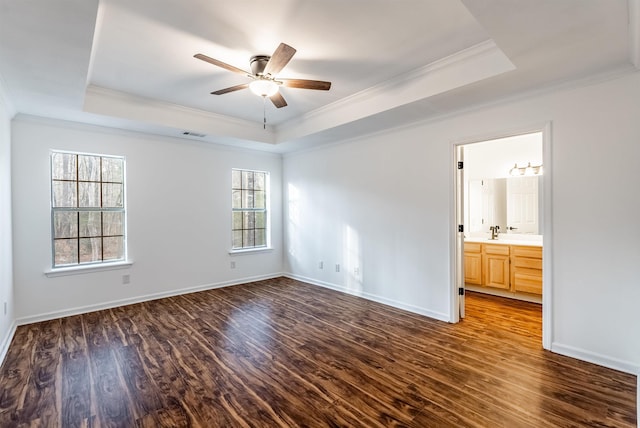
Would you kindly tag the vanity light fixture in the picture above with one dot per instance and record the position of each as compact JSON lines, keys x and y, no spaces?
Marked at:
{"x":526,"y":170}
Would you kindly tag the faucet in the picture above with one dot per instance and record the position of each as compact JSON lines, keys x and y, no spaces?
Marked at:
{"x":494,"y":231}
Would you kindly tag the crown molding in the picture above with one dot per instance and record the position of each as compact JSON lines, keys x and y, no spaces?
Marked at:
{"x":634,"y":32}
{"x":103,"y":101}
{"x":6,"y":100}
{"x":470,"y":65}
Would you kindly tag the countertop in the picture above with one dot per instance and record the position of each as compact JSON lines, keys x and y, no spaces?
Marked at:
{"x":533,"y":241}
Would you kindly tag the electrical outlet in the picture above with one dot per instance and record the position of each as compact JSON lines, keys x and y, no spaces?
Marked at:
{"x":321,"y":265}
{"x":233,"y":265}
{"x":337,"y":267}
{"x":126,"y":279}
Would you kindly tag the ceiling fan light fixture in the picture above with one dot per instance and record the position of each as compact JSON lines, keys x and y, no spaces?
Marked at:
{"x":263,"y":87}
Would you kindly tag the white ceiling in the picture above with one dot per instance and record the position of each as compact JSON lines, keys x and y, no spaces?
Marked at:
{"x":130,"y":64}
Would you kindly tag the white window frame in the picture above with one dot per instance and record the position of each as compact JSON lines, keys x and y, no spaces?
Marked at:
{"x":266,"y":210}
{"x":99,"y":265}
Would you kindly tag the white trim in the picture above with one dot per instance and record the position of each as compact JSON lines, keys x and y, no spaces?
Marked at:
{"x":242,"y":251}
{"x":547,"y":234}
{"x":6,"y":341}
{"x":503,"y":293}
{"x":454,"y":308}
{"x":546,"y":221}
{"x":463,"y":57}
{"x":108,"y":102}
{"x":473,"y":64}
{"x":634,"y":32}
{"x":595,"y":358}
{"x":373,"y":297}
{"x":82,"y":269}
{"x":148,"y":134}
{"x":4,"y":98}
{"x":139,"y":299}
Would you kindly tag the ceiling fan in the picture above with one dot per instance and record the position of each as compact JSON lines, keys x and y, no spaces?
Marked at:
{"x":264,"y":70}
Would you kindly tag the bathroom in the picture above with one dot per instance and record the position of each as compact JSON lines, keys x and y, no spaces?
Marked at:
{"x":503,"y":208}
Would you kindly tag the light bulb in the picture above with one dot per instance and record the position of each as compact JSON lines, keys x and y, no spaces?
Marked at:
{"x":263,"y":87}
{"x":528,"y":170}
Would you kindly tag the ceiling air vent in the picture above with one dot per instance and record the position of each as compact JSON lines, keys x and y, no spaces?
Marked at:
{"x":193,"y":134}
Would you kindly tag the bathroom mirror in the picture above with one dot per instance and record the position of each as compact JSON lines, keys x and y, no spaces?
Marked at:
{"x":511,"y":203}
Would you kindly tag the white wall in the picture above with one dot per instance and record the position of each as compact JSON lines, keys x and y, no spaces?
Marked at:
{"x":179,"y":219}
{"x":382,"y":204}
{"x":495,"y":158}
{"x":6,"y":260}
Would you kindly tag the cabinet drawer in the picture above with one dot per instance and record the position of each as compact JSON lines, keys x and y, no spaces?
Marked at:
{"x":526,"y":262}
{"x":526,"y":251}
{"x":527,"y":280}
{"x":472,"y":247}
{"x":502,"y":250}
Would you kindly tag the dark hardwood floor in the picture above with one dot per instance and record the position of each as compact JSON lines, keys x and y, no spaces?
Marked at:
{"x":281,"y":353}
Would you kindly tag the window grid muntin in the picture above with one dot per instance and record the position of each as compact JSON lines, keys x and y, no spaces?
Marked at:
{"x":119,"y":169}
{"x":243,"y":190}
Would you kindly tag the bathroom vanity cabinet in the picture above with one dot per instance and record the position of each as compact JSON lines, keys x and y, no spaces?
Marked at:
{"x":514,"y":268}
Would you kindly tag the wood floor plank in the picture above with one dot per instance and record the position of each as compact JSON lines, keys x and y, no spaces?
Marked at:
{"x":110,"y":402}
{"x":281,"y":353}
{"x":75,"y":376}
{"x":43,"y":395}
{"x":16,"y":372}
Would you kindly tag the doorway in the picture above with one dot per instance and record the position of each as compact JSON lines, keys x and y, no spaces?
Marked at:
{"x":502,"y":212}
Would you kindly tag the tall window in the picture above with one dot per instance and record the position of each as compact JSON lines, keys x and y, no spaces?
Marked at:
{"x":249,"y":191}
{"x":87,"y":208}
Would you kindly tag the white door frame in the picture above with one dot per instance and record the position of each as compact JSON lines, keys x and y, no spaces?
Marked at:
{"x":456,"y":253}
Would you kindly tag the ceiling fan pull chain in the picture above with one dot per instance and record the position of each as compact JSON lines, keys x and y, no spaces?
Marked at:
{"x":264,"y":112}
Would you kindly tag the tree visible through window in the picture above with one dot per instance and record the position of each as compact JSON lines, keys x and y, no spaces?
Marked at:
{"x":87,"y":208}
{"x":249,"y":208}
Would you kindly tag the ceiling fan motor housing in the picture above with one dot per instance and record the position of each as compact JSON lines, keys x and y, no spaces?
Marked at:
{"x":258,"y":63}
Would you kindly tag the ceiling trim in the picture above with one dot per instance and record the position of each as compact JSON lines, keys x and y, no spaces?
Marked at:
{"x":6,"y":99}
{"x":471,"y":65}
{"x":634,"y":32}
{"x":216,"y":127}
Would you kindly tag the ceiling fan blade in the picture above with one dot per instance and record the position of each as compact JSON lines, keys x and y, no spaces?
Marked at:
{"x":278,"y":100}
{"x":306,"y":84}
{"x":279,"y":59}
{"x":221,"y":64}
{"x":230,"y":89}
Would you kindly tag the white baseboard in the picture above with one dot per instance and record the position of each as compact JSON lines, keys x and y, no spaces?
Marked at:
{"x":592,"y":357}
{"x":139,"y":299}
{"x":508,"y":294}
{"x":6,"y":341}
{"x":385,"y":301}
{"x":602,"y":360}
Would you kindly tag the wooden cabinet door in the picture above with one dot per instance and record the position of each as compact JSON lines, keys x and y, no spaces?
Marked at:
{"x":473,"y":268}
{"x":496,"y":271}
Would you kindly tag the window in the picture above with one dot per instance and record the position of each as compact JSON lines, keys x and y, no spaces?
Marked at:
{"x":249,"y":191}
{"x":87,"y":209}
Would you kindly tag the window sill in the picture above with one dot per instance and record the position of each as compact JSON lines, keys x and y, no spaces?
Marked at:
{"x":250,"y":251}
{"x":79,"y":270}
